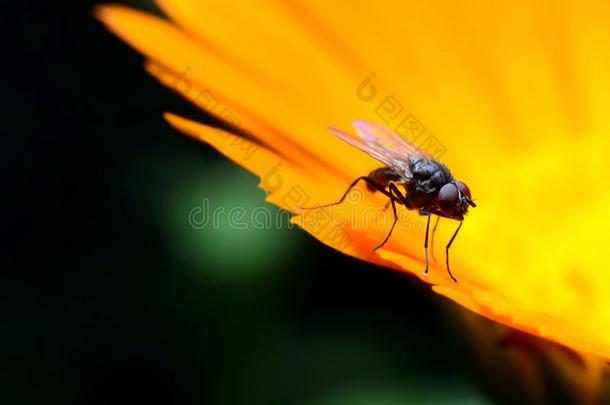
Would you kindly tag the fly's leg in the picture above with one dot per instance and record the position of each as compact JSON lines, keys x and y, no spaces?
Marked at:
{"x":367,"y":179}
{"x":393,"y":203}
{"x":447,"y":251}
{"x":432,"y":240}
{"x":395,"y":195}
{"x":426,"y":243}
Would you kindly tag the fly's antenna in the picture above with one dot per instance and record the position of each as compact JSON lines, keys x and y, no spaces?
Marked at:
{"x":462,"y":196}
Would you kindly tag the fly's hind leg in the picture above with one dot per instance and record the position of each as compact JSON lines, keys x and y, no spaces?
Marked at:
{"x":393,"y":193}
{"x":369,"y":181}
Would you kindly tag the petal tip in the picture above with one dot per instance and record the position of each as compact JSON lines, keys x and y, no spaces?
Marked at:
{"x":104,"y":13}
{"x":173,"y":119}
{"x":116,"y":17}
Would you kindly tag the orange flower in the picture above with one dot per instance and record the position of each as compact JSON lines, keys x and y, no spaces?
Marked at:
{"x":515,"y":97}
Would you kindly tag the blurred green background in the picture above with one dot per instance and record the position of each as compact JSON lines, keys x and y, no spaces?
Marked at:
{"x":110,"y":295}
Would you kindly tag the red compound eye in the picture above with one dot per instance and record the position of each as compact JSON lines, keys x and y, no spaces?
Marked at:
{"x":448,"y":199}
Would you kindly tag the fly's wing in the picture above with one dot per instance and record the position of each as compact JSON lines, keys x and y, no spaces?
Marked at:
{"x":388,"y":138}
{"x":384,"y":145}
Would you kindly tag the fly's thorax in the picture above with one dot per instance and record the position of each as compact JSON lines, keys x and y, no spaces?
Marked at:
{"x":429,"y":176}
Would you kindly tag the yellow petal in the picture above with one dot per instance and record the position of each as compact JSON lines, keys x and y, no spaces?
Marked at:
{"x":288,"y":114}
{"x":514,"y":96}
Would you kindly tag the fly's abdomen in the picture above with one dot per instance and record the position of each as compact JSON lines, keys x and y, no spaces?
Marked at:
{"x":383,"y":176}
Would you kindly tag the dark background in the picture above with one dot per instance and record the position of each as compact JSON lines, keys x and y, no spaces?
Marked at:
{"x":109,"y":296}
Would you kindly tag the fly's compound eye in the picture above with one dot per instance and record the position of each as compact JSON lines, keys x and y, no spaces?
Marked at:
{"x":448,"y":199}
{"x":465,"y":192}
{"x":464,"y":189}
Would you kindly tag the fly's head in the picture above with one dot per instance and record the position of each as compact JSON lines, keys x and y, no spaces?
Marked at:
{"x":453,"y":200}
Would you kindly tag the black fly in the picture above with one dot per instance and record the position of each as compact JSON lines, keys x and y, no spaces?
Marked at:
{"x":411,"y":177}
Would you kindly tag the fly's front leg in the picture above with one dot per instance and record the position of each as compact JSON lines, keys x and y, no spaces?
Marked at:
{"x":432,"y":239}
{"x":426,"y":244}
{"x":447,"y":251}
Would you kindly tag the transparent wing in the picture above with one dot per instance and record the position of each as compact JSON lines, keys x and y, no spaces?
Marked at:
{"x":389,"y":139}
{"x":384,"y":145}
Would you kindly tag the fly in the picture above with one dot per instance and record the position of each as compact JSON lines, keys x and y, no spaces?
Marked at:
{"x":410,"y":177}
